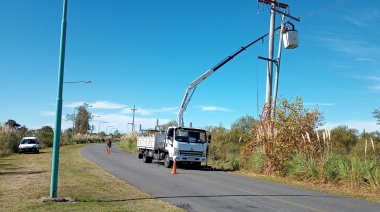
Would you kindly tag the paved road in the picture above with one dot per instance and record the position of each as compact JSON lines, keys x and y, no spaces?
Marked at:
{"x":207,"y":190}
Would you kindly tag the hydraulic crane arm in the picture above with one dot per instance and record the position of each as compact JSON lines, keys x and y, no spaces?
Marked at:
{"x":190,"y":90}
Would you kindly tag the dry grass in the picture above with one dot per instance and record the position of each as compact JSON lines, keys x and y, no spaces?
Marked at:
{"x":25,"y":181}
{"x":340,"y":189}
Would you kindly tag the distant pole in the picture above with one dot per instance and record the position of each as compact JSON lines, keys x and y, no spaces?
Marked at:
{"x":72,"y":132}
{"x":133,"y":119}
{"x":58,"y":115}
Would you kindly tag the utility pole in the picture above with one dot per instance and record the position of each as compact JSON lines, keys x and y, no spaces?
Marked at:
{"x":133,"y":119}
{"x":268,"y":90}
{"x":291,"y":43}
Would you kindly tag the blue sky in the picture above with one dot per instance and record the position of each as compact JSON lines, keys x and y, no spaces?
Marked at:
{"x":147,"y":52}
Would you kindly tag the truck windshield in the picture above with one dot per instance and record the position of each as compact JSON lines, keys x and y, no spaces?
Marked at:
{"x":190,"y":135}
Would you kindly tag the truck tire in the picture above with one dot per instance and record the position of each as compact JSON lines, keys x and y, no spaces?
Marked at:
{"x":167,"y":162}
{"x":146,"y":158}
{"x":140,"y":156}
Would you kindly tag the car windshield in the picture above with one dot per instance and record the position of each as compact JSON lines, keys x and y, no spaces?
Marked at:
{"x":190,"y":135}
{"x":28,"y":141}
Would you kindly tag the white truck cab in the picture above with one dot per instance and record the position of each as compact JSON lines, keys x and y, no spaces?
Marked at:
{"x":185,"y":145}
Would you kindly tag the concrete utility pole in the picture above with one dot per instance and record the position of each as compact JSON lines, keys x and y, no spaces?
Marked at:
{"x":270,"y":101}
{"x":133,"y":119}
{"x":268,"y":91}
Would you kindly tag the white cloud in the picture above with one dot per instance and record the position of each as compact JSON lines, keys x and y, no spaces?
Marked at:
{"x":122,"y":123}
{"x":48,"y":113}
{"x":354,"y":21}
{"x":369,"y":126}
{"x":106,"y":105}
{"x":215,"y":108}
{"x":375,"y":88}
{"x":359,"y":50}
{"x":146,"y":112}
{"x":318,"y":104}
{"x":364,"y":18}
{"x":97,"y":105}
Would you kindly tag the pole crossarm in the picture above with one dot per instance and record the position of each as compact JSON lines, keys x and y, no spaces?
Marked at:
{"x":278,"y":4}
{"x":286,"y":14}
{"x":267,"y":59}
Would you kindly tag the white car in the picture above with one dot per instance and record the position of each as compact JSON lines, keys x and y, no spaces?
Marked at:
{"x":29,"y":144}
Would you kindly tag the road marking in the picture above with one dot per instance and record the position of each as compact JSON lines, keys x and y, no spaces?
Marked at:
{"x":254,"y":193}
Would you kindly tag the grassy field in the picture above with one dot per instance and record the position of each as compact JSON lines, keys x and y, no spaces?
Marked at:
{"x":25,"y":181}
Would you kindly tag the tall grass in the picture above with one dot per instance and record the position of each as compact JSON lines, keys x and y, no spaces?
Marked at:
{"x":129,"y":143}
{"x":301,"y":167}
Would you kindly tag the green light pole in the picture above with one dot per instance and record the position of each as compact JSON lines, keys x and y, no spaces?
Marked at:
{"x":58,"y":115}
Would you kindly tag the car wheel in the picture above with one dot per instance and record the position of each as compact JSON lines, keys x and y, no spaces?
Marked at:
{"x":19,"y":152}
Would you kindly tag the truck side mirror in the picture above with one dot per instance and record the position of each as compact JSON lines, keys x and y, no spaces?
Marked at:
{"x":209,"y":138}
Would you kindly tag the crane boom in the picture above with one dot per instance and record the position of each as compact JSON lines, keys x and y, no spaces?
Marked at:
{"x":190,"y":90}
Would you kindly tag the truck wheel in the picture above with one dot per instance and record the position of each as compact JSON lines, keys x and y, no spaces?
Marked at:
{"x":167,"y":162}
{"x":146,"y":158}
{"x":140,"y":156}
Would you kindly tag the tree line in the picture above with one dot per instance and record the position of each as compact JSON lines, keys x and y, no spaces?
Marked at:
{"x":12,"y":132}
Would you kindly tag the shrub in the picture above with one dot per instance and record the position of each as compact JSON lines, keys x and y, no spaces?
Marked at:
{"x":336,"y":168}
{"x":257,"y":161}
{"x":291,"y":130}
{"x":301,"y":167}
{"x":13,"y":141}
{"x":129,"y":144}
{"x":363,"y":171}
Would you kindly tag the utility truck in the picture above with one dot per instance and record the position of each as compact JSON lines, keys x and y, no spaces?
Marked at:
{"x":184,"y":144}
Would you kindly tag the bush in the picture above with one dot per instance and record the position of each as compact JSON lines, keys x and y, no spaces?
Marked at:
{"x":363,"y":171}
{"x":13,"y":142}
{"x":300,"y":167}
{"x":336,"y":168}
{"x":257,"y":161}
{"x":129,"y":144}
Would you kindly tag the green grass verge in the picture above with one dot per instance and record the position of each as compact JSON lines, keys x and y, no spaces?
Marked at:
{"x":25,"y":181}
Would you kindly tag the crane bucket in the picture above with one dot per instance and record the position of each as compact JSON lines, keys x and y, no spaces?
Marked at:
{"x":291,"y":39}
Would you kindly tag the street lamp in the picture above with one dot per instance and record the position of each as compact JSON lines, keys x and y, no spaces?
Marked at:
{"x":107,"y":128}
{"x":84,"y":81}
{"x":99,"y":125}
{"x":112,"y":129}
{"x":58,"y":114}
